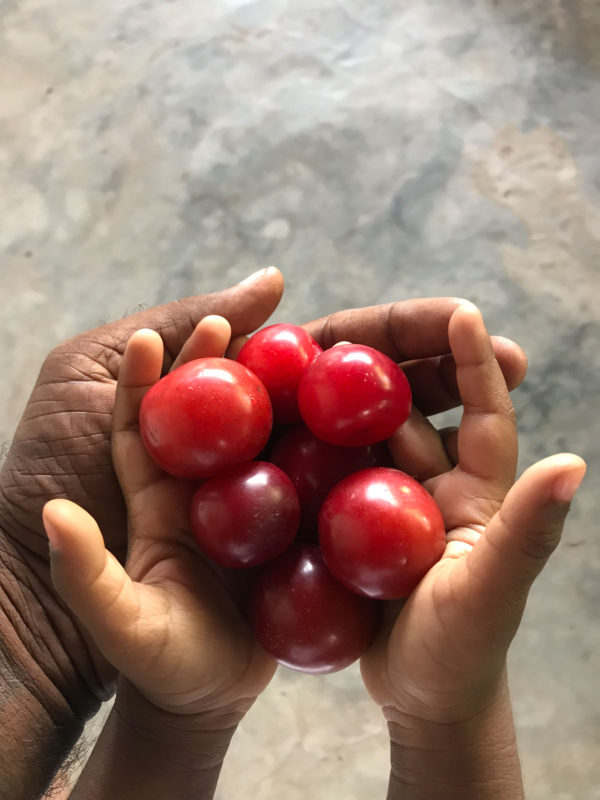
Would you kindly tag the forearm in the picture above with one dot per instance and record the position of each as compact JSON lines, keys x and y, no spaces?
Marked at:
{"x":472,"y":760}
{"x":43,"y":698}
{"x":144,"y":753}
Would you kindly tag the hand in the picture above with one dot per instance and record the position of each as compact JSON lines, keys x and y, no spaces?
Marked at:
{"x":62,"y":445}
{"x":440,"y":656}
{"x":62,"y":448}
{"x":171,"y":624}
{"x":415,"y":334}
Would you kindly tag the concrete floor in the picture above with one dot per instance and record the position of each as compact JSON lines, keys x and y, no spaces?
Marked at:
{"x":373,"y":151}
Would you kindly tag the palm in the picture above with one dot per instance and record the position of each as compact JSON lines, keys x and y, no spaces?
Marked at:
{"x":63,"y":440}
{"x":428,"y":650}
{"x":184,"y":598}
{"x":172,"y":596}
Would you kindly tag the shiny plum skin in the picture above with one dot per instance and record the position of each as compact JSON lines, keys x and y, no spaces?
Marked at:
{"x":315,"y":466}
{"x":246,"y":516}
{"x":205,"y":416}
{"x":380,"y":531}
{"x":304,"y":618}
{"x":279,"y":355}
{"x":353,"y":395}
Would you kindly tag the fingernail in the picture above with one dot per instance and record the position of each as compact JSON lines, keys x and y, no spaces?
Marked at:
{"x":467,"y":305}
{"x":53,"y":537}
{"x":256,"y":276}
{"x":565,"y":487}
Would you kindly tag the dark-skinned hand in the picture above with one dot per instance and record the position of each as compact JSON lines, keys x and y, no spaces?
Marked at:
{"x":62,"y":446}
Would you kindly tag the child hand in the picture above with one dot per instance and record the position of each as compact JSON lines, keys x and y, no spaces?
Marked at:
{"x":170,"y":622}
{"x":441,"y":654}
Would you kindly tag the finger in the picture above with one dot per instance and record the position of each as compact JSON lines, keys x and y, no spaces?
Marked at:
{"x":520,"y":538}
{"x":417,"y":448}
{"x":140,"y":370}
{"x":449,"y":437}
{"x":90,"y":580}
{"x":409,"y":331}
{"x":247,"y":306}
{"x":487,"y":436}
{"x":433,"y":380}
{"x":403,"y":330}
{"x":235,"y":345}
{"x":210,"y":338}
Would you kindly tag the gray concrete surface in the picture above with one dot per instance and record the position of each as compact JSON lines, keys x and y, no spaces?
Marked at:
{"x":373,"y":151}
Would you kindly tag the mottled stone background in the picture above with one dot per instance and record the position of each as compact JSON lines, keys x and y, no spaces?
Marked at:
{"x":373,"y":150}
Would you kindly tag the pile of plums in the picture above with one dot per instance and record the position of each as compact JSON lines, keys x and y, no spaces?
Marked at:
{"x":288,"y":444}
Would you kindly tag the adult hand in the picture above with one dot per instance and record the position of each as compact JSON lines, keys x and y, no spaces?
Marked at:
{"x":61,"y":446}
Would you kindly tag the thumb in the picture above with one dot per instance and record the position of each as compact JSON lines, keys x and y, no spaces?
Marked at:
{"x":246,"y":306}
{"x":89,"y":579}
{"x":520,"y":538}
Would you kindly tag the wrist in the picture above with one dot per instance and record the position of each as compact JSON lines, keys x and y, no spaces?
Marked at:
{"x":205,"y":734}
{"x":442,"y":756}
{"x":45,"y":643}
{"x":44,"y":697}
{"x":146,"y":752}
{"x":38,"y":726}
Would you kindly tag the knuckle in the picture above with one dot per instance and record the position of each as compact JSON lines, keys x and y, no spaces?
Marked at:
{"x":541,"y":543}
